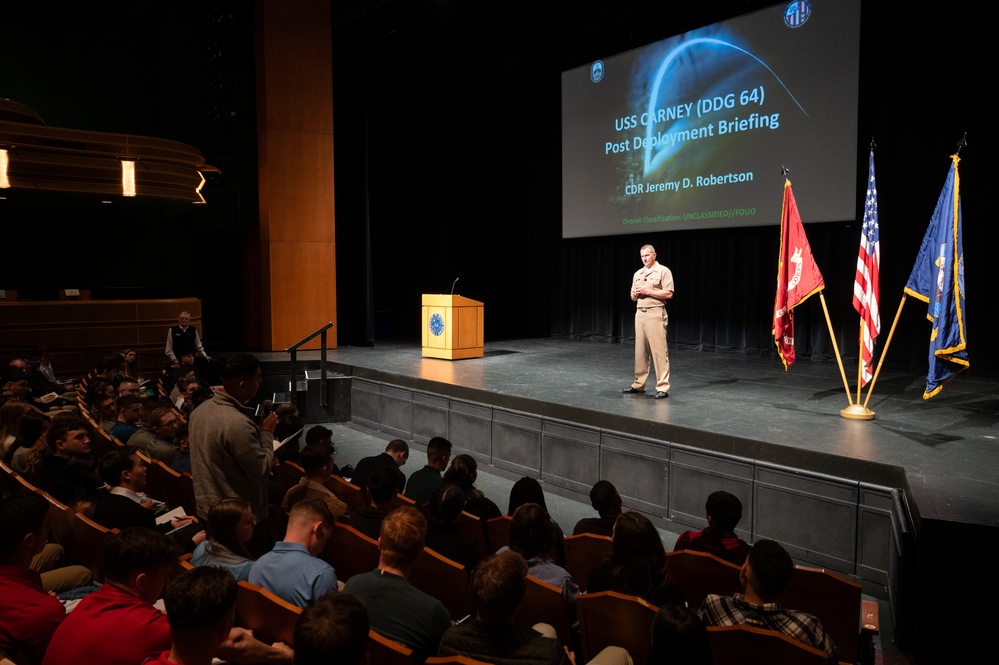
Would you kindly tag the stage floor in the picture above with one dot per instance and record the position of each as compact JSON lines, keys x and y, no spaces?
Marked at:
{"x":946,"y":449}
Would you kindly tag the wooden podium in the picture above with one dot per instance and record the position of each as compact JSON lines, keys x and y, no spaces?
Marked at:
{"x":452,"y":327}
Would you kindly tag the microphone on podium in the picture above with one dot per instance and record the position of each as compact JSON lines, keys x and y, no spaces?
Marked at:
{"x":453,"y":283}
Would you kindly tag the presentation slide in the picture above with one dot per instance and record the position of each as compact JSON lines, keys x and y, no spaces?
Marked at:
{"x":693,"y":131}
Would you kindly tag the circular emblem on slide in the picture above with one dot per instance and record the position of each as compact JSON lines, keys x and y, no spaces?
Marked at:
{"x":797,"y":13}
{"x":597,"y":71}
{"x":437,"y":325}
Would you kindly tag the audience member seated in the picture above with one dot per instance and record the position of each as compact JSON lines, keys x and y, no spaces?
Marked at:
{"x":106,"y":374}
{"x":182,"y":463}
{"x":321,"y":433}
{"x":130,"y":367}
{"x":395,"y":455}
{"x":396,"y":608}
{"x":463,"y":473}
{"x":129,"y":417}
{"x":607,"y":502}
{"x":30,"y":432}
{"x":724,"y":511}
{"x":425,"y":482}
{"x":14,"y":386}
{"x":67,"y":470}
{"x":201,"y":609}
{"x":230,"y":527}
{"x":157,"y":435}
{"x":10,"y":422}
{"x":118,"y":625}
{"x":532,"y":537}
{"x":43,"y":396}
{"x":119,"y":622}
{"x":183,"y":376}
{"x":443,"y":536}
{"x":764,"y":575}
{"x":292,"y":570}
{"x":105,"y":412}
{"x":124,"y":506}
{"x":679,"y":636}
{"x":317,"y":461}
{"x":333,"y":630}
{"x":185,"y":402}
{"x":636,"y":565}
{"x":498,"y":585}
{"x":529,"y":490}
{"x":28,"y":614}
{"x":291,"y":428}
{"x":380,"y":492}
{"x":128,"y":387}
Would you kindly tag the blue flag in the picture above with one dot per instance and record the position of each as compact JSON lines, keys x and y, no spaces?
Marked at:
{"x":938,"y":279}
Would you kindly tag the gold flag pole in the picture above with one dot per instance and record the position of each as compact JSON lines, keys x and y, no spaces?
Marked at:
{"x":839,"y":359}
{"x":884,"y":351}
{"x":858,"y":411}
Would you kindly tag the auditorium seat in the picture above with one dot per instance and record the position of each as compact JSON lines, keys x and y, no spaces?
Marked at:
{"x":288,"y":474}
{"x":748,"y":645}
{"x":837,"y":602}
{"x":609,"y":618}
{"x":350,"y":494}
{"x":383,"y":651}
{"x":272,"y":619}
{"x":583,"y":554}
{"x":498,"y":530}
{"x":445,"y":580}
{"x":89,"y":539}
{"x":471,"y":527}
{"x":697,"y":574}
{"x":545,"y":603}
{"x":454,"y":660}
{"x":350,"y":552}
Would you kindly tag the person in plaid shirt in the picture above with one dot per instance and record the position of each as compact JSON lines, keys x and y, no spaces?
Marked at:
{"x":765,"y":574}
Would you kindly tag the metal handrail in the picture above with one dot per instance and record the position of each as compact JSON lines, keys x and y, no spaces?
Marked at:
{"x":293,"y":350}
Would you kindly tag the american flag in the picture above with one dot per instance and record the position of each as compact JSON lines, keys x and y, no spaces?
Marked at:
{"x":865,"y":288}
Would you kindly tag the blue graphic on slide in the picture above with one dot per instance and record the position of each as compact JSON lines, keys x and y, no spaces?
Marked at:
{"x":705,"y":54}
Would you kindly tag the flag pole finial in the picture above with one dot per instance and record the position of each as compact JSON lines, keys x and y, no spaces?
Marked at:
{"x":962,"y":142}
{"x":873,"y":144}
{"x":784,"y":171}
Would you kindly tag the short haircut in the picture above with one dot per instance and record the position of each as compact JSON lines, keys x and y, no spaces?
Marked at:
{"x":60,"y":427}
{"x":112,"y":361}
{"x":397,"y":446}
{"x":604,"y":497}
{"x":383,"y":483}
{"x":136,"y":551}
{"x":309,"y":510}
{"x":318,"y":433}
{"x":128,"y":379}
{"x":126,"y":401}
{"x":155,"y":417}
{"x":20,"y":515}
{"x":531,"y":532}
{"x":725,"y":509}
{"x":182,"y":372}
{"x":648,"y":247}
{"x":498,"y":585}
{"x":315,"y":456}
{"x":770,"y":569}
{"x":116,"y":462}
{"x":437,"y":448}
{"x":679,"y":636}
{"x":286,"y":427}
{"x":403,"y":534}
{"x":334,"y":629}
{"x":199,"y":599}
{"x":239,"y":366}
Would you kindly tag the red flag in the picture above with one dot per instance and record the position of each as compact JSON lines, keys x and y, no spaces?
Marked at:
{"x":797,"y":276}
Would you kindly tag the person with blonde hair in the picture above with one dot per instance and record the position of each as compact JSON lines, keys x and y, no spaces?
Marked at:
{"x":397,"y":609}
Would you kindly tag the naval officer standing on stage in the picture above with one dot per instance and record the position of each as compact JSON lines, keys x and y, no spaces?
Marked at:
{"x":651,"y":287}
